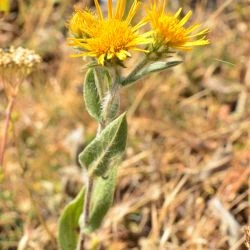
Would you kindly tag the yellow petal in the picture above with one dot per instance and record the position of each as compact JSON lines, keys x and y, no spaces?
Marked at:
{"x":178,"y":12}
{"x":121,"y":55}
{"x":134,"y":8}
{"x":120,"y":8}
{"x":98,"y":8}
{"x":101,"y":59}
{"x":185,"y":18}
{"x":110,"y":9}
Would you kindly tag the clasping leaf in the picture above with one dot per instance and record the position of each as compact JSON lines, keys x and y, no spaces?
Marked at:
{"x":102,"y":198}
{"x":109,"y":144}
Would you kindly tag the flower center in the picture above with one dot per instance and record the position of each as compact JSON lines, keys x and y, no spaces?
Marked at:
{"x":110,"y":37}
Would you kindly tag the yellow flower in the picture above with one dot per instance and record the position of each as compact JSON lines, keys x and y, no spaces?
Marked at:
{"x":169,"y":29}
{"x":109,"y":38}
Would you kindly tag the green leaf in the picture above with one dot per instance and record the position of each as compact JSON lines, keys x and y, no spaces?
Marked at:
{"x":109,"y":144}
{"x":158,"y":66}
{"x":102,"y":198}
{"x":91,"y":95}
{"x":68,"y":223}
{"x":151,"y":68}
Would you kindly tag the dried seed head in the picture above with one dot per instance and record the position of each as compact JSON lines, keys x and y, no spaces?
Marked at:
{"x":19,"y":59}
{"x":15,"y":65}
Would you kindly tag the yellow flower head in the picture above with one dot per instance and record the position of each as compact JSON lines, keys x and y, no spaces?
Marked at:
{"x":109,"y":38}
{"x":169,"y":29}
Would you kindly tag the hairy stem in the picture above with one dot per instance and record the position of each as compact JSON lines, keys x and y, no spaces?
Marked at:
{"x":108,"y":102}
{"x":86,"y":211}
{"x":87,"y":202}
{"x":99,"y":82}
{"x":131,"y":75}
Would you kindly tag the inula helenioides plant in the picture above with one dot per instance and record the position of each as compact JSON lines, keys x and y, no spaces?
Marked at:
{"x":108,"y":42}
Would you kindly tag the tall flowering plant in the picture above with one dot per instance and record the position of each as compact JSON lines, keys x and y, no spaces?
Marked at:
{"x":108,"y":42}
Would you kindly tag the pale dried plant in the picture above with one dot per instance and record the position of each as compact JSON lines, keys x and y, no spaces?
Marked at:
{"x":15,"y":65}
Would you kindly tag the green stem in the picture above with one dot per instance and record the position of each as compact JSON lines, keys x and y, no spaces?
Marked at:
{"x":107,"y":118}
{"x":154,"y":54}
{"x":99,"y":82}
{"x":131,"y":75}
{"x":87,"y":201}
{"x":108,"y":105}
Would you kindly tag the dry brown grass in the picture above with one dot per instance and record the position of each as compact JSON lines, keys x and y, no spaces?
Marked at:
{"x":183,"y":184}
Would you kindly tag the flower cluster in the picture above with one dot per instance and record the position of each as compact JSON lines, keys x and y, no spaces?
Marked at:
{"x":19,"y":59}
{"x":15,"y":65}
{"x":111,"y":39}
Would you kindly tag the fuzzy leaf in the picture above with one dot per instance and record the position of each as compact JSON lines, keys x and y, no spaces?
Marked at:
{"x":68,"y":223}
{"x":109,"y":144}
{"x":91,"y":95}
{"x":102,"y":199}
{"x":158,"y":66}
{"x":151,"y":68}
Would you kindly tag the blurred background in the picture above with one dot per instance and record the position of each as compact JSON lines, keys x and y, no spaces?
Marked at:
{"x":183,"y":184}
